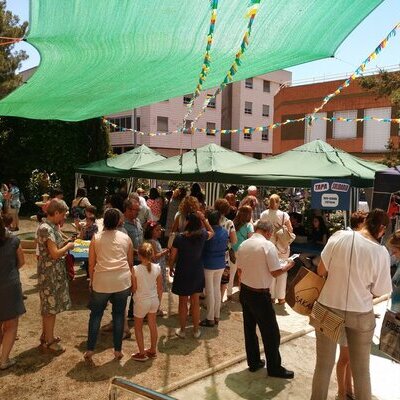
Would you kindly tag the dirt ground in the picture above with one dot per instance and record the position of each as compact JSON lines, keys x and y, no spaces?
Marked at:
{"x":39,"y":375}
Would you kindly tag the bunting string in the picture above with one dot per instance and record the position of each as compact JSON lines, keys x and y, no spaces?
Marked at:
{"x":265,"y":128}
{"x":4,"y":40}
{"x":251,"y":15}
{"x":359,"y":71}
{"x":206,"y":62}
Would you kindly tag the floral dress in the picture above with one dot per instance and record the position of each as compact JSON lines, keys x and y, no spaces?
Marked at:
{"x":52,"y":275}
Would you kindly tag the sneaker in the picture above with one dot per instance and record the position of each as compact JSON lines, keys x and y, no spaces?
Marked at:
{"x":139,"y":357}
{"x":180,"y":333}
{"x":207,"y":323}
{"x":197,"y":334}
{"x":8,"y":364}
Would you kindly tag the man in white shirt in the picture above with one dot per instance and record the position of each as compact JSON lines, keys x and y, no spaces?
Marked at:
{"x":258,"y":263}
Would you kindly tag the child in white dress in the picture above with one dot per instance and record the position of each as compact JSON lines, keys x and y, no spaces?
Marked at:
{"x":147,"y":291}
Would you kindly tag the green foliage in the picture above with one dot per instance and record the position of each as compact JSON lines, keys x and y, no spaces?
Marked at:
{"x":53,"y":146}
{"x":385,"y":84}
{"x":41,"y":183}
{"x":10,"y":60}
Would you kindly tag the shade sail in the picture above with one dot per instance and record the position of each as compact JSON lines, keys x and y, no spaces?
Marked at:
{"x":200,"y":165}
{"x":104,"y":56}
{"x":122,"y":165}
{"x":299,"y":166}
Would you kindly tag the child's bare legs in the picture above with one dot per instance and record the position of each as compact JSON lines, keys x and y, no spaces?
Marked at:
{"x":152,"y":323}
{"x":139,"y":334}
{"x":195,"y":307}
{"x":8,"y":335}
{"x":183,"y":310}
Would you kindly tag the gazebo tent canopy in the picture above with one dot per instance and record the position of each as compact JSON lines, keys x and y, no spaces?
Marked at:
{"x":299,"y":166}
{"x":122,"y":165}
{"x":104,"y":56}
{"x":197,"y":165}
{"x":386,"y":183}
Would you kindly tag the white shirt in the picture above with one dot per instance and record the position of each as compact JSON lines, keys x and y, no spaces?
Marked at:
{"x":146,"y":281}
{"x":111,"y":272}
{"x":257,"y":257}
{"x":276,"y":217}
{"x":369,"y":272}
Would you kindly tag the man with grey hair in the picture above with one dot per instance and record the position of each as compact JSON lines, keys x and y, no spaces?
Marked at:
{"x":258,"y":263}
{"x":260,"y":207}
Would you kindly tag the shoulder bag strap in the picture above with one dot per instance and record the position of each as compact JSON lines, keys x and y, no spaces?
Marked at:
{"x":348,"y":278}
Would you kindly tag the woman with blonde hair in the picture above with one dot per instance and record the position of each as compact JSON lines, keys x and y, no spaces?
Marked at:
{"x":188,"y":206}
{"x":52,"y":275}
{"x":244,"y":230}
{"x":278,"y":218}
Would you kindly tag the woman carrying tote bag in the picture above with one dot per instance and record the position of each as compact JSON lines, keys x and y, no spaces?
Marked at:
{"x":348,"y":292}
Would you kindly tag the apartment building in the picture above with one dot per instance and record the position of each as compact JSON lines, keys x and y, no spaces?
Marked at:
{"x":244,"y":104}
{"x":364,"y":138}
{"x":250,"y":104}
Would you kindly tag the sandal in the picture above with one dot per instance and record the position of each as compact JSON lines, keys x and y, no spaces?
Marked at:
{"x":56,"y":339}
{"x":118,"y":355}
{"x":150,"y":354}
{"x":140,"y":357}
{"x":216,"y":321}
{"x":88,"y":356}
{"x":9,"y":363}
{"x":126,"y":335}
{"x":54,"y":347}
{"x":207,"y":323}
{"x":161,"y":313}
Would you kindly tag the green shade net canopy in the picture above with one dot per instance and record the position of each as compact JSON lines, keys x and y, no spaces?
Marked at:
{"x":299,"y":166}
{"x":121,"y":166}
{"x":197,"y":165}
{"x":104,"y":56}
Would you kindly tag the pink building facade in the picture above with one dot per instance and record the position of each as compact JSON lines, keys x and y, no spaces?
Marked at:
{"x":248,"y":103}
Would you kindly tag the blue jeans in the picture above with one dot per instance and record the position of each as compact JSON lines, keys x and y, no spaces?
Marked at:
{"x":97,"y":305}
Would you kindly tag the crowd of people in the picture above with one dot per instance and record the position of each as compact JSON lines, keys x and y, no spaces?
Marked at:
{"x":143,"y":243}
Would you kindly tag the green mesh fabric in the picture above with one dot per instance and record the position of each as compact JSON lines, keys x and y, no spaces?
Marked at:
{"x":299,"y":166}
{"x":105,"y":56}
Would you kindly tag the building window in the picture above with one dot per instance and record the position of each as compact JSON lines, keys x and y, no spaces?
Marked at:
{"x":248,"y":83}
{"x":344,"y":129}
{"x":267,"y":86}
{"x":247,"y":136}
{"x":138,"y":123}
{"x":188,"y":124}
{"x":212,"y":103}
{"x":121,"y":122}
{"x":376,"y":134}
{"x":264,"y":135}
{"x":162,"y":124}
{"x":248,"y":107}
{"x":210,"y":126}
{"x":265,"y":111}
{"x":187,"y":98}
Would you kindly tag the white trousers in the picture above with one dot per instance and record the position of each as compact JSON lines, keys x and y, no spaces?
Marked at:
{"x":232,"y":273}
{"x":278,"y":287}
{"x":213,"y":292}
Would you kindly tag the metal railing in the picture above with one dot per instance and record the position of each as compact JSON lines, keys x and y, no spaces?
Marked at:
{"x":128,"y":386}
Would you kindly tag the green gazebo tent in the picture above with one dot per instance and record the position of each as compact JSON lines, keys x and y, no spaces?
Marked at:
{"x":122,"y":165}
{"x":198,"y":165}
{"x":99,"y":57}
{"x":299,"y":166}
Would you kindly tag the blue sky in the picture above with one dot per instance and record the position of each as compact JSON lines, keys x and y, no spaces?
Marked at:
{"x":348,"y":57}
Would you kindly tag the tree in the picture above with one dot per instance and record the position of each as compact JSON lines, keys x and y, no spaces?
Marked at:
{"x":53,"y":146}
{"x":384,"y":84}
{"x":387,"y":84}
{"x":10,"y":60}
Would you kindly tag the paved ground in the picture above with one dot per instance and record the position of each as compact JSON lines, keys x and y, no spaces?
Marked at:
{"x":299,"y":354}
